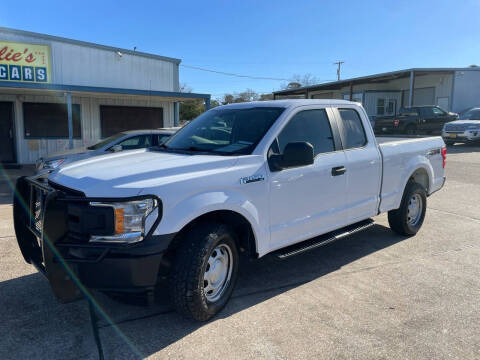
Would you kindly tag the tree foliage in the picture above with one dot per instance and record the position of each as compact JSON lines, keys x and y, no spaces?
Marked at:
{"x":299,"y":81}
{"x":190,"y":109}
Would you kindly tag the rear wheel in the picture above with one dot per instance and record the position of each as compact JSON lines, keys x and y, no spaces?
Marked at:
{"x":204,"y":271}
{"x":411,"y":130}
{"x":408,"y":218}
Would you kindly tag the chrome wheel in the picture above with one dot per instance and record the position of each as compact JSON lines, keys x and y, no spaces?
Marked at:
{"x":217,"y":272}
{"x":414,"y":209}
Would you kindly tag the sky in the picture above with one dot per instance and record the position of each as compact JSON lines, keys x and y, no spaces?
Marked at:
{"x":271,"y":39}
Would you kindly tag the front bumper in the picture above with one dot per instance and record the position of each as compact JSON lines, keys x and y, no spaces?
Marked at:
{"x":71,"y":264}
{"x":461,"y":136}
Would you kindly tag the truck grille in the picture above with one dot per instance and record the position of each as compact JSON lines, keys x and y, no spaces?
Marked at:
{"x":37,"y":208}
{"x":456,"y":127}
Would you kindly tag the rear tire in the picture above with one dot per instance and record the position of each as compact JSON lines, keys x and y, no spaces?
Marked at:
{"x":408,"y":218}
{"x":204,"y":271}
{"x":411,"y":130}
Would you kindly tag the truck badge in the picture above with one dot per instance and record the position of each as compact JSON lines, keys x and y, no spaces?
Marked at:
{"x":252,"y":179}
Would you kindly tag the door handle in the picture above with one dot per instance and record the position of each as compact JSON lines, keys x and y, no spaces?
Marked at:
{"x":338,"y":170}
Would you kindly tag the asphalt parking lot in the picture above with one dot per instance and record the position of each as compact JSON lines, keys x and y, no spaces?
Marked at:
{"x":375,"y":295}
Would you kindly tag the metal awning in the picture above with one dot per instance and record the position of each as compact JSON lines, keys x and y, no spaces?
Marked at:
{"x":74,"y":89}
{"x":69,"y":90}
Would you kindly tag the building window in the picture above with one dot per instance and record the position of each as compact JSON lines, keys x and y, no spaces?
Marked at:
{"x":386,"y":106}
{"x":115,"y":119}
{"x":50,"y":120}
{"x":380,"y":106}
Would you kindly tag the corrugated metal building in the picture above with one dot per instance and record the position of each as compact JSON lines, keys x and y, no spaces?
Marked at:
{"x":454,"y":89}
{"x":57,"y":93}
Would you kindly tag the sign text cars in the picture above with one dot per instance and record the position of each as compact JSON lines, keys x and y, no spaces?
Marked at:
{"x":24,"y":62}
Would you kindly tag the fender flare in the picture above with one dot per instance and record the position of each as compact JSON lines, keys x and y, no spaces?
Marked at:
{"x":416,"y":163}
{"x":187,"y":210}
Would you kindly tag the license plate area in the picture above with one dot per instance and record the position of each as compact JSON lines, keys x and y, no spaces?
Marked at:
{"x":452,"y":135}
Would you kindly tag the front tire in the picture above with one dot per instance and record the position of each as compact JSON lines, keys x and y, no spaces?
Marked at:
{"x":408,"y":218}
{"x":204,"y":271}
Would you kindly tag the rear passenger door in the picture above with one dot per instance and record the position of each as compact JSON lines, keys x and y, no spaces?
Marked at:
{"x":363,"y":164}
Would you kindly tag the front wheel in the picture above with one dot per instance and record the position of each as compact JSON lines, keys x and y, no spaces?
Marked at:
{"x":408,"y":218}
{"x":204,"y":271}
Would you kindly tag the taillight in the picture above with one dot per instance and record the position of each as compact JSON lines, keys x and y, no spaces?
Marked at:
{"x":396,"y":122}
{"x":444,"y":155}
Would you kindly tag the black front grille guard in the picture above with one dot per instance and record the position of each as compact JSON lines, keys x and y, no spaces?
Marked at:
{"x":41,"y":226}
{"x":28,"y":212}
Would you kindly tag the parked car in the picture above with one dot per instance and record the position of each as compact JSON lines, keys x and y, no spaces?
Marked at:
{"x":464,"y":130}
{"x":126,"y":140}
{"x":428,"y":119}
{"x":292,"y":176}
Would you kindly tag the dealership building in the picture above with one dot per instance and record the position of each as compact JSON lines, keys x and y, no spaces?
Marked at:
{"x":454,"y":89}
{"x":58,"y":93}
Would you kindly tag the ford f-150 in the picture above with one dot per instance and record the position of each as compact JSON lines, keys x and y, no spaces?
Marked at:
{"x":278,"y":177}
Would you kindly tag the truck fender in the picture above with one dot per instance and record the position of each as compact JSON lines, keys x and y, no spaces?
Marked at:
{"x":175,"y":218}
{"x":414,"y":164}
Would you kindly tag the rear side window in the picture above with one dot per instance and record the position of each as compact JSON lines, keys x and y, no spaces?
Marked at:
{"x":353,"y":129}
{"x":310,"y":126}
{"x":136,"y":142}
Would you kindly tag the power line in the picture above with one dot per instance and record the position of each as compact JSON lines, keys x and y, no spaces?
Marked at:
{"x":233,"y":74}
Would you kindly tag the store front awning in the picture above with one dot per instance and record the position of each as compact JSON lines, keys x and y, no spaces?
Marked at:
{"x":76,"y":90}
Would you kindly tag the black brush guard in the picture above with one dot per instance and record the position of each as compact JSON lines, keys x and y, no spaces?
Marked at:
{"x":46,"y":221}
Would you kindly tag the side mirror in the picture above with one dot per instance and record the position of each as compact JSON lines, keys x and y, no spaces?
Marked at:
{"x":295,"y":154}
{"x":116,"y":148}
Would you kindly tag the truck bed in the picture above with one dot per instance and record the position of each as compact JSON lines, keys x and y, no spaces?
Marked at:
{"x":401,"y":156}
{"x":383,"y":139}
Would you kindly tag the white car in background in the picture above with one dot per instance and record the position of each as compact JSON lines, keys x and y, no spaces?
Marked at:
{"x":126,"y":140}
{"x":464,"y":130}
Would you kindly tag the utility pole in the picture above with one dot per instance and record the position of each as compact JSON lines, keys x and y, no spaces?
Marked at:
{"x":339,"y":63}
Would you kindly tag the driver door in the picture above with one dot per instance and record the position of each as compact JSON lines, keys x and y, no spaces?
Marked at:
{"x":309,"y":200}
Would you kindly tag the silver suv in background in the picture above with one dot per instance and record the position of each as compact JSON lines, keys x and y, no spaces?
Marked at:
{"x":464,"y":130}
{"x":126,"y":140}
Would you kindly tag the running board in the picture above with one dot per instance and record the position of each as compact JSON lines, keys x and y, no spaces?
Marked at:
{"x":324,"y":239}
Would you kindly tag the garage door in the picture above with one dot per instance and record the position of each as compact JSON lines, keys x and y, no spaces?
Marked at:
{"x":115,"y":119}
{"x":423,"y":96}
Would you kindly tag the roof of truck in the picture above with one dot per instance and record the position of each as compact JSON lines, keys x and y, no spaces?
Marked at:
{"x":287,"y":103}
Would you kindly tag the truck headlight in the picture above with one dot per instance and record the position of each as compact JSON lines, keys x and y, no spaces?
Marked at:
{"x":133,"y":220}
{"x":51,"y":164}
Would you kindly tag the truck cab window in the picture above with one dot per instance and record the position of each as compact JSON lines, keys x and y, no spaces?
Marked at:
{"x":354,"y":133}
{"x":310,"y":126}
{"x":438,"y":111}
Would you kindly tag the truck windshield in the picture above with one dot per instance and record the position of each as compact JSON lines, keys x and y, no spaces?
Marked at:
{"x":225,"y":131}
{"x":472,"y":114}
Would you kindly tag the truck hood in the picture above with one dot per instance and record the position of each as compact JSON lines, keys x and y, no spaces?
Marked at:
{"x":127,"y":173}
{"x":467,"y":122}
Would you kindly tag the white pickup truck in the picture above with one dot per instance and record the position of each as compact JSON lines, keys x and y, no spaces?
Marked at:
{"x":278,"y":176}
